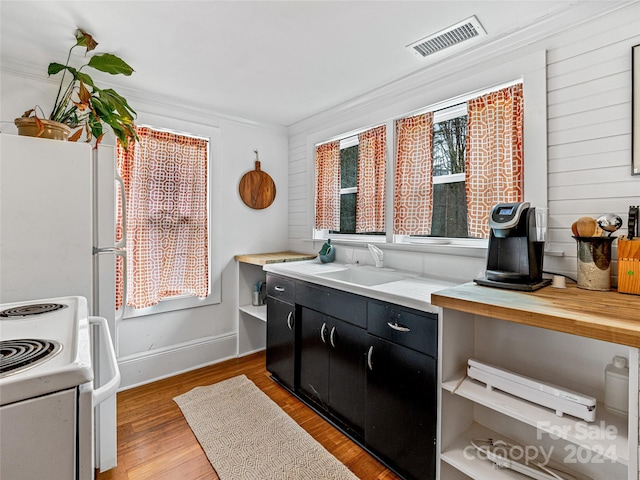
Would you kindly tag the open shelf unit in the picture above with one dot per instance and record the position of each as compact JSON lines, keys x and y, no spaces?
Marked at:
{"x":468,"y":410}
{"x":592,"y":436}
{"x":256,"y":311}
{"x":252,"y":319}
{"x":463,"y":457}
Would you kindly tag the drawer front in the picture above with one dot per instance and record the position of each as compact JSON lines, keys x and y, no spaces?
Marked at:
{"x":418,"y":331}
{"x":282,"y":288}
{"x":345,"y":306}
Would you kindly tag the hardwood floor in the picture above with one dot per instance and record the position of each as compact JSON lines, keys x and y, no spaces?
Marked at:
{"x":155,"y":441}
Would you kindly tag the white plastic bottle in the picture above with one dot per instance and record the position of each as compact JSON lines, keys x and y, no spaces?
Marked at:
{"x":616,"y":386}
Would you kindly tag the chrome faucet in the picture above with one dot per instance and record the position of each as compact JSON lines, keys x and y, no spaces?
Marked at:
{"x":377,"y":254}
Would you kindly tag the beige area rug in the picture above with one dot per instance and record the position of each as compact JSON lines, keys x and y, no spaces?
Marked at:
{"x":247,"y":436}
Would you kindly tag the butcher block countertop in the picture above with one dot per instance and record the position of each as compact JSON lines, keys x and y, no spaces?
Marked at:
{"x":609,"y":316}
{"x":277,"y":257}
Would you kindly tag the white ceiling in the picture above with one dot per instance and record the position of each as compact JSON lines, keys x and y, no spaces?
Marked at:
{"x":267,"y":61}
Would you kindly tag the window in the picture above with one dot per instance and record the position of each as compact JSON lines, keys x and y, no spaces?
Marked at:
{"x":527,"y":177}
{"x":350,"y":184}
{"x":452,"y":164}
{"x":165,"y":178}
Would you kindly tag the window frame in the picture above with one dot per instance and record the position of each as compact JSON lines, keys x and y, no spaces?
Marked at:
{"x":449,"y":113}
{"x":347,"y":140}
{"x":345,"y":143}
{"x":443,"y":115}
{"x":213,"y":135}
{"x":447,"y":110}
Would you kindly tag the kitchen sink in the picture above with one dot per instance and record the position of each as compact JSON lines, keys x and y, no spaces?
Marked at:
{"x":366,"y":276}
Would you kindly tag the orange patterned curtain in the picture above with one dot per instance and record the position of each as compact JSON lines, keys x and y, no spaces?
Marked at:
{"x":118,"y":237}
{"x":372,"y":149}
{"x":494,"y":155}
{"x":165,"y":177}
{"x":328,"y":186}
{"x":413,"y":196}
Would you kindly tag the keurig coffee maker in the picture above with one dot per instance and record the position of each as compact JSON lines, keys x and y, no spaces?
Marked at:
{"x":514,"y":258}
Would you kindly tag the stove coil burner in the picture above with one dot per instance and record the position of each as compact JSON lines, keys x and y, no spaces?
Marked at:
{"x":23,"y":311}
{"x":20,"y":354}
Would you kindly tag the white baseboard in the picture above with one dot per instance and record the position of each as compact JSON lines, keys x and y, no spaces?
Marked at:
{"x":141,"y":368}
{"x":244,"y":354}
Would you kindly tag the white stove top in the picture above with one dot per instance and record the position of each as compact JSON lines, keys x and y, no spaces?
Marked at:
{"x":68,"y":368}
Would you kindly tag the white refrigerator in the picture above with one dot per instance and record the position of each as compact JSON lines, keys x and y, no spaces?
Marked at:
{"x":57,"y":238}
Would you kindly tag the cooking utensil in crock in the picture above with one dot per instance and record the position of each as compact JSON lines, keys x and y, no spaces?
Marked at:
{"x":609,"y":223}
{"x":586,"y":226}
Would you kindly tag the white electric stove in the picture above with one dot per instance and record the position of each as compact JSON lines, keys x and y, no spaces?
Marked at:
{"x":47,"y":398}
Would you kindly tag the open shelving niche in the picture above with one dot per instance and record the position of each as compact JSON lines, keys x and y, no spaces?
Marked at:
{"x":468,"y":410}
{"x":252,"y":319}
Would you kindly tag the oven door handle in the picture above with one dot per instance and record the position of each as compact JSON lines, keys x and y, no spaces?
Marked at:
{"x":109,"y":388}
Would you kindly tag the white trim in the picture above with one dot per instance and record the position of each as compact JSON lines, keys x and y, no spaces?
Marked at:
{"x":463,"y":247}
{"x":510,"y":48}
{"x":146,"y":98}
{"x":145,"y":367}
{"x":170,"y":130}
{"x":453,"y":178}
{"x":321,"y":235}
{"x":459,"y":101}
{"x":348,"y":135}
{"x":454,"y":111}
{"x":349,"y":142}
{"x":352,"y":237}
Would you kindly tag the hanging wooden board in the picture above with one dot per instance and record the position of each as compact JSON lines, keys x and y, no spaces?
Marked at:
{"x":257,"y":188}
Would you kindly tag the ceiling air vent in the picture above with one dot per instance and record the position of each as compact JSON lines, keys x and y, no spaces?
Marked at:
{"x":458,"y":33}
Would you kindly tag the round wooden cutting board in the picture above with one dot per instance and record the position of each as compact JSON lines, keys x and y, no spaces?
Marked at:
{"x":257,"y":188}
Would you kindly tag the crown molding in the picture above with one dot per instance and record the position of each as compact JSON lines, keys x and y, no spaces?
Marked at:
{"x":146,"y":101}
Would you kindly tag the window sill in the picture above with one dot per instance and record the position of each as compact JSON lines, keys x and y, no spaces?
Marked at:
{"x":476,"y":249}
{"x":171,"y":305}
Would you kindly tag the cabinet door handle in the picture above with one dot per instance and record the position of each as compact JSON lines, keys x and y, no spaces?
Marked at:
{"x":370,"y":358}
{"x":332,"y":337}
{"x":323,"y":330}
{"x":290,"y":320}
{"x":278,"y":288}
{"x":400,"y":328}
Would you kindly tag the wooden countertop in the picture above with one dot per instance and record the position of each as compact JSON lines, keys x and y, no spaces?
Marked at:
{"x":609,"y":316}
{"x":276,"y":257}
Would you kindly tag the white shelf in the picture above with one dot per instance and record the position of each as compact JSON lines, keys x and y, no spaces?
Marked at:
{"x":251,"y":320}
{"x":608,"y":432}
{"x":462,"y":456}
{"x":259,"y":312}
